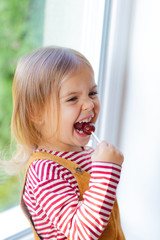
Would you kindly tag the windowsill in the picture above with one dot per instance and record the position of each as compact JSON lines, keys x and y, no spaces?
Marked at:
{"x":12,"y":222}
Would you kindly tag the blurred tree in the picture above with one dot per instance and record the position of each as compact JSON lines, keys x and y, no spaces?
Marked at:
{"x":21,"y":31}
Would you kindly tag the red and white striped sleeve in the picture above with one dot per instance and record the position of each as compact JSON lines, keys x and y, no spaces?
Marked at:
{"x":57,"y":195}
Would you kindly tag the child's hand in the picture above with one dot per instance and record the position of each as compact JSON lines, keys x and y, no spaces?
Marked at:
{"x":106,"y":152}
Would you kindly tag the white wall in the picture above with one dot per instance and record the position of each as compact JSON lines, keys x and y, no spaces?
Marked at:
{"x":139,"y":192}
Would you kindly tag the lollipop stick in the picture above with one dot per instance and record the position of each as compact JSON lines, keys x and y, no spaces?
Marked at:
{"x":94,"y":135}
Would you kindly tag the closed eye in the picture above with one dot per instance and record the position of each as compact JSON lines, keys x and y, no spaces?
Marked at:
{"x":72,"y":99}
{"x":93,"y":93}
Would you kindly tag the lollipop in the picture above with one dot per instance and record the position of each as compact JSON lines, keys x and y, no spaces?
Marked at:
{"x":87,"y":127}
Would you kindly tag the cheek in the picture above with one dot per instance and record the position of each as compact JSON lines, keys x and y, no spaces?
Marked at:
{"x":67,"y":115}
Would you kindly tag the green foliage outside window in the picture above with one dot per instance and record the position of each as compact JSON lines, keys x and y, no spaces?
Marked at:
{"x":21,"y":31}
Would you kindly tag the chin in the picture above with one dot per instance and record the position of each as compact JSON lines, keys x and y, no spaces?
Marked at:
{"x":84,"y":143}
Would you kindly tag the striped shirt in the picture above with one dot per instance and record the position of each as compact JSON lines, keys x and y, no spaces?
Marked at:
{"x":52,"y":197}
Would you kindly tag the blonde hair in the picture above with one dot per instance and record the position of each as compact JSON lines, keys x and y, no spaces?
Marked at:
{"x":38,"y":76}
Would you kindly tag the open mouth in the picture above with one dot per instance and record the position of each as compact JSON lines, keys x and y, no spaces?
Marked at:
{"x":84,"y":127}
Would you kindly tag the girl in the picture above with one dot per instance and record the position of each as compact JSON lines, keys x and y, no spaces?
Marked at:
{"x":69,"y":191}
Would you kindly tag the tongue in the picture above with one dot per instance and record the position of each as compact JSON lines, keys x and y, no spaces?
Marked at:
{"x":87,"y":128}
{"x":78,"y":125}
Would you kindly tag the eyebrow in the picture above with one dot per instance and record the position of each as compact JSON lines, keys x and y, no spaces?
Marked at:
{"x":73,"y":93}
{"x":95,"y":86}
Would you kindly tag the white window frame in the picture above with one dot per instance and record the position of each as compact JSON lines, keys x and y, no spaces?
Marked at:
{"x":112,"y":69}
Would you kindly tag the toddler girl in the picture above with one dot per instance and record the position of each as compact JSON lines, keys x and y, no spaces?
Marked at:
{"x":70,"y":189}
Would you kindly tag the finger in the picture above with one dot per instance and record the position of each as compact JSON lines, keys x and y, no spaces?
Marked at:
{"x":114,"y":148}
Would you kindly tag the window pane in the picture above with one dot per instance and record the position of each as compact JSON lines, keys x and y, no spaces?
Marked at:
{"x":21,"y":31}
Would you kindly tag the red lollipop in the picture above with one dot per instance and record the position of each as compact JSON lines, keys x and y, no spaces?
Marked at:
{"x":88,"y":128}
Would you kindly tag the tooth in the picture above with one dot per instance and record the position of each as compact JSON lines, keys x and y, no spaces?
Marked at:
{"x":80,"y":131}
{"x":86,"y":120}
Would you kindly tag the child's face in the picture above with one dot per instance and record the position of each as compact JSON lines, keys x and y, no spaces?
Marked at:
{"x":78,"y":101}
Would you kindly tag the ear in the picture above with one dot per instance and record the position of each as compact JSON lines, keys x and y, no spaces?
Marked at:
{"x":36,"y":118}
{"x":37,"y":121}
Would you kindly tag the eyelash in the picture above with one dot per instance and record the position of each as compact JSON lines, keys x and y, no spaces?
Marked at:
{"x":72,"y":99}
{"x":75,"y":98}
{"x":93,"y":93}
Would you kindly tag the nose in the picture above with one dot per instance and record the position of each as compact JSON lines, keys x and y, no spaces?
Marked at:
{"x":88,"y":104}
